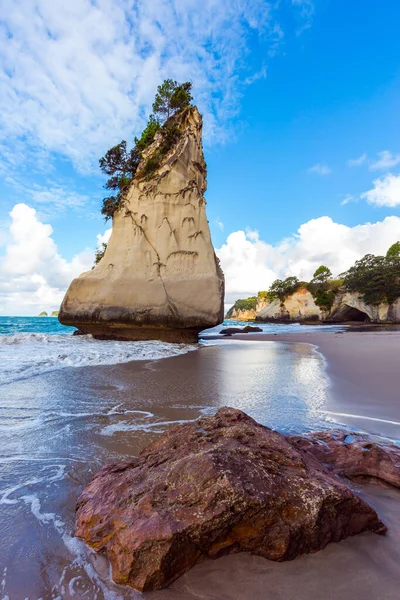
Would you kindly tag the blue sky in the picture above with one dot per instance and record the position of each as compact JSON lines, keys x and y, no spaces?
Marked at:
{"x":300,"y":102}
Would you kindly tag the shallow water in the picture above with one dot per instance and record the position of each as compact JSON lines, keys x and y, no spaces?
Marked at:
{"x":60,"y":424}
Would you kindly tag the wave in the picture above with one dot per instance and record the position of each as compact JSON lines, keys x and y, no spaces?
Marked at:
{"x":25,"y":355}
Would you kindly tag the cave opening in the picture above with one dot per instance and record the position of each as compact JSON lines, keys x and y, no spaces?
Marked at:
{"x":349,"y":313}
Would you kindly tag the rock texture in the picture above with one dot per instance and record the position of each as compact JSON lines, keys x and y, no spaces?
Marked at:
{"x":159,"y":277}
{"x":219,"y":485}
{"x":299,"y":307}
{"x":348,"y":307}
{"x":351,"y":307}
{"x":242,"y":315}
{"x":354,"y":455}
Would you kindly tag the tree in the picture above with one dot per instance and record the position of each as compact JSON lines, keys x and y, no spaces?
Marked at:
{"x":282,"y":289}
{"x":121,"y":165}
{"x":376,"y":278}
{"x":171,"y":97}
{"x":322,"y":275}
{"x":394,"y":251}
{"x":148,"y":134}
{"x":319,"y":287}
{"x":100,"y":253}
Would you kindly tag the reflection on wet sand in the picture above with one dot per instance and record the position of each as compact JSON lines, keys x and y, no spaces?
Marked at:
{"x":58,"y":428}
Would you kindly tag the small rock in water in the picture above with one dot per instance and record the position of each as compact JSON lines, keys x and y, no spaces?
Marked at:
{"x":220,"y":485}
{"x":247,"y":329}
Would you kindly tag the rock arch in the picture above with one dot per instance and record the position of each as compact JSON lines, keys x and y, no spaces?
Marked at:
{"x":345,"y":312}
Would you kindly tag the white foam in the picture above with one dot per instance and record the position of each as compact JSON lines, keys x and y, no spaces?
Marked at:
{"x":24,"y":355}
{"x":157,"y":427}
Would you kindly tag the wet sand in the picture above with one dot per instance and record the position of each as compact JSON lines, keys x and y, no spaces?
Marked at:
{"x":76,"y":419}
{"x":364,"y":373}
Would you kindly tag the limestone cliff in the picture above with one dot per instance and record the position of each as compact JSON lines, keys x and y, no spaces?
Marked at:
{"x":241,"y":315}
{"x":350,"y":306}
{"x":347,"y":307}
{"x":159,"y":277}
{"x":298,"y":307}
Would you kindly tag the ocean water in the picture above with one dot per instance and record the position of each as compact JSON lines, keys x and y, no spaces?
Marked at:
{"x":32,"y":346}
{"x":69,"y":404}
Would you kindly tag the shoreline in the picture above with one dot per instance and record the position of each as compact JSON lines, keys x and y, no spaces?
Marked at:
{"x":62,"y":426}
{"x":362,"y":367}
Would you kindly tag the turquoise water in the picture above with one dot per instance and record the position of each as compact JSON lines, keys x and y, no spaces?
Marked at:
{"x":46,"y":325}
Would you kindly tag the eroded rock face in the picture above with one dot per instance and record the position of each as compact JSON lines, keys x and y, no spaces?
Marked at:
{"x":159,"y":277}
{"x":298,"y":307}
{"x":219,"y":485}
{"x":354,"y":455}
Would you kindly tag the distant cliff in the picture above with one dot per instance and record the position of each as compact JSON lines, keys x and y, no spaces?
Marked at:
{"x":301,"y":307}
{"x":159,"y":277}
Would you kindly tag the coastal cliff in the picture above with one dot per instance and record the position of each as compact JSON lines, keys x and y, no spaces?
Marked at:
{"x":159,"y":277}
{"x":346,"y":307}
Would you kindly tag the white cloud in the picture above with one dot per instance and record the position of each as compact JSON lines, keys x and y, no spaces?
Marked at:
{"x":349,"y":198}
{"x":77,"y":76}
{"x":52,"y":197}
{"x":244,"y":261}
{"x":320,"y":169}
{"x":356,"y":162}
{"x":219,"y":224}
{"x":307,"y":11}
{"x":102,"y":238}
{"x":386,"y":191}
{"x":33,"y":275}
{"x":386,"y":160}
{"x":250,"y":264}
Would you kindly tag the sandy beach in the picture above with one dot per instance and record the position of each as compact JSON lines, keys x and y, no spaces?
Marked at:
{"x":73,"y":420}
{"x":364,"y":373}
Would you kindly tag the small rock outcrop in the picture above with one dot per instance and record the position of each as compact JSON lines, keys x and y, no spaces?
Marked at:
{"x":298,"y":307}
{"x":232,"y":330}
{"x":354,"y":455}
{"x":216,"y":486}
{"x":159,"y":277}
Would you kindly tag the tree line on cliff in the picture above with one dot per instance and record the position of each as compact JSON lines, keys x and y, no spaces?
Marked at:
{"x":121,"y":164}
{"x":375,"y":278}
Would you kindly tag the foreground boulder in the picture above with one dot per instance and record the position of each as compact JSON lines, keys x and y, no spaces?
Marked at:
{"x":355,"y":455}
{"x":159,"y":277}
{"x":219,"y":485}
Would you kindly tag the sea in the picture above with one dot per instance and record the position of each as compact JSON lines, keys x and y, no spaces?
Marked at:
{"x":70,"y":404}
{"x":32,"y":346}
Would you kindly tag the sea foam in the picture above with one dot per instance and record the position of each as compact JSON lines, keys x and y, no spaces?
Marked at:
{"x":24,"y":355}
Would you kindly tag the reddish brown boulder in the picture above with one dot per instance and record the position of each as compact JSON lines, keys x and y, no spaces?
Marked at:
{"x":354,"y":455}
{"x":219,"y":485}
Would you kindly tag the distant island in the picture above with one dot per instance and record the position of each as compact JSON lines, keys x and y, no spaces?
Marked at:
{"x":45,"y":314}
{"x":368,"y":292}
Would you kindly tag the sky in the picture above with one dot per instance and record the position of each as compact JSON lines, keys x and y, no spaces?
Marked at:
{"x":300,"y":101}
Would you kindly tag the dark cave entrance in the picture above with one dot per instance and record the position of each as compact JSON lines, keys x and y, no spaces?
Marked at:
{"x":349,"y":313}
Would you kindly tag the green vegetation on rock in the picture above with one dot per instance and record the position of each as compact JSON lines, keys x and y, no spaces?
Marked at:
{"x":376,"y":278}
{"x":100,"y":253}
{"x":245,"y":304}
{"x":283,"y":288}
{"x":43,"y":314}
{"x":122,"y":164}
{"x":320,"y":288}
{"x":54,"y":313}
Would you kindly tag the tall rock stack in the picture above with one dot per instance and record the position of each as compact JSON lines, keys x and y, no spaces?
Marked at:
{"x":159,"y":278}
